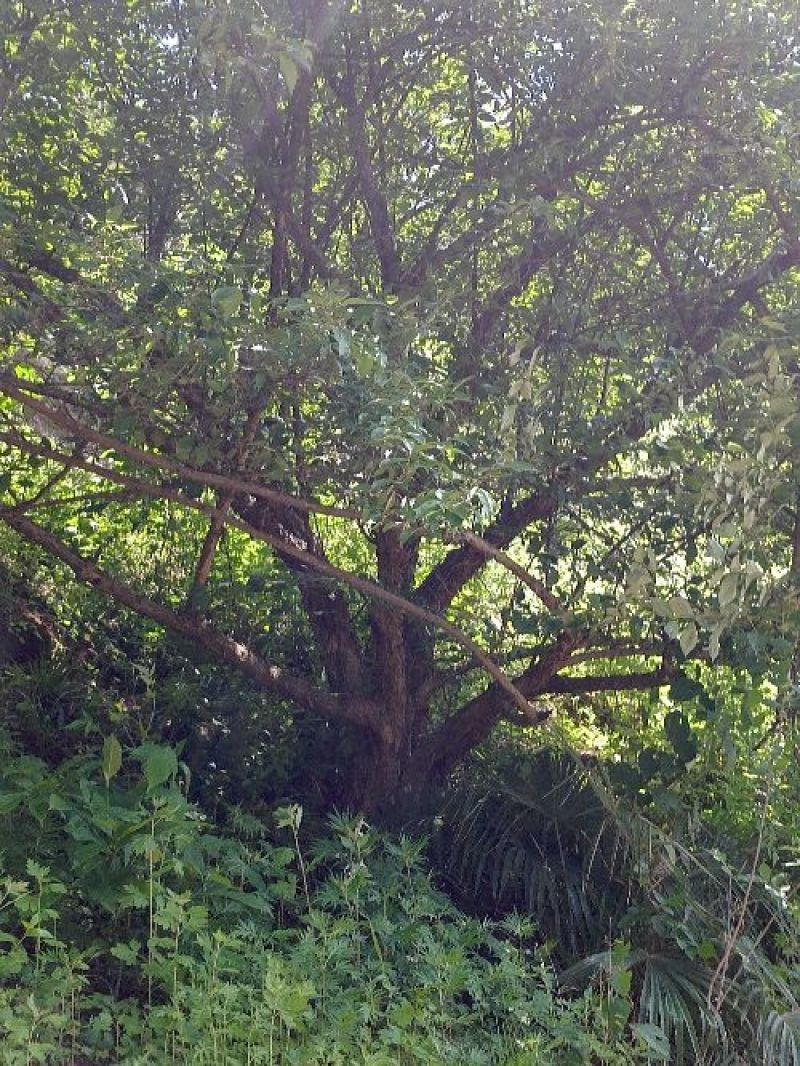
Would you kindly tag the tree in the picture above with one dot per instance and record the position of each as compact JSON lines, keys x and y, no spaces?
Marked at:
{"x":470,"y":324}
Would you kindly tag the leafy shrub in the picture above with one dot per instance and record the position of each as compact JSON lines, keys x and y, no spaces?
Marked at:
{"x":532,"y":833}
{"x":137,"y":932}
{"x":715,"y":962}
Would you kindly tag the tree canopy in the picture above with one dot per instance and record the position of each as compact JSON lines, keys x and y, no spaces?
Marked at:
{"x":468,"y":329}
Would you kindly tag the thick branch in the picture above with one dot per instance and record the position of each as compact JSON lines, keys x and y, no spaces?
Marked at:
{"x":478,"y":549}
{"x":285,"y":547}
{"x":463,"y":731}
{"x":533,"y":583}
{"x":611,"y":682}
{"x":389,"y":629}
{"x":448,"y":578}
{"x":205,"y":561}
{"x":267,"y":676}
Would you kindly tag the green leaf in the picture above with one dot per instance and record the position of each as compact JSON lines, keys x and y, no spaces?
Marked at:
{"x":288,"y":69}
{"x":676,"y":728}
{"x":688,"y":638}
{"x":654,"y":1039}
{"x":729,"y":750}
{"x":9,"y":801}
{"x":159,"y":763}
{"x":713,"y":643}
{"x":256,"y":582}
{"x":227,"y":300}
{"x":680,"y":607}
{"x":727,"y":590}
{"x":620,"y":981}
{"x":127,"y":953}
{"x":685,"y":688}
{"x":679,"y":734}
{"x":112,"y":758}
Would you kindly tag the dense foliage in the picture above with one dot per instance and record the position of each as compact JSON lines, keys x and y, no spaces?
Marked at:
{"x":147,"y":938}
{"x":338,"y":290}
{"x":399,"y":414}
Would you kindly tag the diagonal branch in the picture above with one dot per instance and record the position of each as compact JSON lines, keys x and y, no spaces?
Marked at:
{"x":463,"y":731}
{"x":446,"y":580}
{"x":23,"y":283}
{"x":60,"y":417}
{"x":206,"y":560}
{"x":538,"y":587}
{"x":267,"y":676}
{"x":471,"y":724}
{"x":286,"y":548}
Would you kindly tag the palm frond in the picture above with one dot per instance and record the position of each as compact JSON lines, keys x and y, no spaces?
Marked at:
{"x":779,"y":1038}
{"x":536,"y":836}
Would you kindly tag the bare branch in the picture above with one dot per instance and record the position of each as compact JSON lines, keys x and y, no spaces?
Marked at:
{"x":205,"y":560}
{"x":215,"y":531}
{"x":471,"y":724}
{"x":538,"y":587}
{"x":611,"y":682}
{"x":447,"y":579}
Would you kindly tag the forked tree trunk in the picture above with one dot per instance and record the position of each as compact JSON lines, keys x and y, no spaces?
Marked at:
{"x":398,"y":769}
{"x":409,"y":752}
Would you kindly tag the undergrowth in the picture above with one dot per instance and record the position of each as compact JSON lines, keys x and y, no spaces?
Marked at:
{"x":135,"y":931}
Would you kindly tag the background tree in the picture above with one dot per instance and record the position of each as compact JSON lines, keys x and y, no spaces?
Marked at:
{"x":470,"y":326}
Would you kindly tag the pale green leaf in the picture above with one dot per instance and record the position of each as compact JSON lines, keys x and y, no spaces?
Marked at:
{"x":727,"y":590}
{"x":226,"y":300}
{"x":688,"y":638}
{"x":288,"y":70}
{"x":713,"y":642}
{"x":679,"y":607}
{"x":112,"y":758}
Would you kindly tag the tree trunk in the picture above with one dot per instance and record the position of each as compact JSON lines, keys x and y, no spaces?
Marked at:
{"x":389,"y":779}
{"x":376,"y":776}
{"x":409,"y":755}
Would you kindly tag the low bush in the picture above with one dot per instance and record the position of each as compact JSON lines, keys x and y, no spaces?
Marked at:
{"x":137,"y":932}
